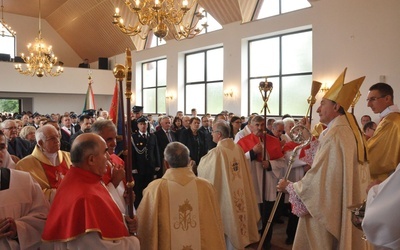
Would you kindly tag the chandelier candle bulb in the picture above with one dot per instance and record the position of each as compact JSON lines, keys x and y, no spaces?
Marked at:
{"x":162,"y":18}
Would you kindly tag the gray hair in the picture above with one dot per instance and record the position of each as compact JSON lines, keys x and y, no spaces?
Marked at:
{"x":288,"y":120}
{"x":99,"y":125}
{"x":39,"y":135}
{"x":26,"y":130}
{"x":277,"y":123}
{"x":177,"y":155}
{"x":5,"y":122}
{"x":223,"y":128}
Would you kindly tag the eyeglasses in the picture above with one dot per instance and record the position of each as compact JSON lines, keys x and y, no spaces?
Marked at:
{"x":9,"y":128}
{"x":372,"y":99}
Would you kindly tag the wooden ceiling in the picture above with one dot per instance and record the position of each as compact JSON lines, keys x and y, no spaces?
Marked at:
{"x":86,"y":24}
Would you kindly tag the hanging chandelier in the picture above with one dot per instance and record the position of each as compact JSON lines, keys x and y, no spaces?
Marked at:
{"x":41,"y":59}
{"x":5,"y":28}
{"x":162,"y":16}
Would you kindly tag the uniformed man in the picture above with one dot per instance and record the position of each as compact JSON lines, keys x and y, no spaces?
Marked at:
{"x":145,"y":158}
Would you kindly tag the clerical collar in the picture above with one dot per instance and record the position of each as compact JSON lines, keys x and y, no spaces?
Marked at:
{"x":53,"y":158}
{"x":391,"y":109}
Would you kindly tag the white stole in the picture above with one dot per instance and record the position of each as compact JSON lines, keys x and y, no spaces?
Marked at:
{"x":184,"y":215}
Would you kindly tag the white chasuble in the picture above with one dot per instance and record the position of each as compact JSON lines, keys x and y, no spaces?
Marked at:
{"x":184,"y":216}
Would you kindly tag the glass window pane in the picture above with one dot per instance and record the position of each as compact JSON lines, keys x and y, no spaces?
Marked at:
{"x":212,"y":23}
{"x":195,"y":98}
{"x":161,"y":100}
{"x":149,"y":74}
{"x":256,"y":99}
{"x":162,"y":73}
{"x":295,"y":91}
{"x":215,"y":64}
{"x":264,"y":57}
{"x":268,"y":8}
{"x":292,"y":5}
{"x":149,"y":100}
{"x":297,"y":53}
{"x":195,"y":67}
{"x":215,"y":97}
{"x":7,"y":45}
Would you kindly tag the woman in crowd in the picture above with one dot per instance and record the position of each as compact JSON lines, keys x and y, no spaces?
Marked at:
{"x":28,"y":133}
{"x":194,"y":139}
{"x":176,"y":124}
{"x":235,"y":124}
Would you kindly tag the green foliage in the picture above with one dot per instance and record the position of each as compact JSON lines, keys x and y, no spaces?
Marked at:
{"x":9,"y":105}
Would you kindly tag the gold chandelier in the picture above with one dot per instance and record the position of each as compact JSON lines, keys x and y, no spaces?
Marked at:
{"x":161,"y":16}
{"x":41,"y":60}
{"x":5,"y":29}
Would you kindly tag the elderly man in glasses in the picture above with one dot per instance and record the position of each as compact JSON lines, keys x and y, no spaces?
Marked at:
{"x":383,"y":147}
{"x":16,"y":145}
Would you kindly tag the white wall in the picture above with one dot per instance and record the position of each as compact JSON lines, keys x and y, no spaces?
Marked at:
{"x":362,"y":35}
{"x":27,"y":30}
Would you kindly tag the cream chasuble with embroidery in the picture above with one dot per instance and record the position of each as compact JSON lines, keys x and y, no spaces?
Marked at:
{"x":335,"y":182}
{"x":180,"y":211}
{"x":226,"y":168}
{"x":184,"y":215}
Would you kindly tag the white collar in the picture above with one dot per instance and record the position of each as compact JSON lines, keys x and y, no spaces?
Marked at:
{"x":391,"y":109}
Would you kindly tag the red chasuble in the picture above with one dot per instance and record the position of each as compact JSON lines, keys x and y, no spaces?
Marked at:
{"x":82,"y":204}
{"x":55,"y":174}
{"x":273,"y":145}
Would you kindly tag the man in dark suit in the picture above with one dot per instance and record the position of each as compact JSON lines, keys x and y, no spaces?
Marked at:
{"x":145,"y":158}
{"x":207,"y":131}
{"x":164,"y":136}
{"x":16,"y":146}
{"x":74,"y":122}
{"x":85,"y":124}
{"x":84,"y":64}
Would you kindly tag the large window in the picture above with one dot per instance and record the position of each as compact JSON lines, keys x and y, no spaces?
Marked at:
{"x":204,"y":81}
{"x":154,"y":82}
{"x":268,"y":8}
{"x":286,"y":61}
{"x":7,"y":42}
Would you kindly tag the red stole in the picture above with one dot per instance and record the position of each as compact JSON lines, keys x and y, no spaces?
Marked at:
{"x":273,"y":145}
{"x":55,"y":174}
{"x":83,"y":204}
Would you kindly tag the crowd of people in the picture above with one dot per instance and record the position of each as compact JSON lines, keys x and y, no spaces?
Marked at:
{"x":201,"y":182}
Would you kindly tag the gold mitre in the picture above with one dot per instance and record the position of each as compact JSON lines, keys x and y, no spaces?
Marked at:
{"x":343,"y":94}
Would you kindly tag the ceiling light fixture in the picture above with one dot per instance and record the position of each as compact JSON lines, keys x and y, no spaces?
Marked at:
{"x":162,"y":16}
{"x":41,"y":60}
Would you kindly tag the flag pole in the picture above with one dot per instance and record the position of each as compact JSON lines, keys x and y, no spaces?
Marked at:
{"x":121,"y":72}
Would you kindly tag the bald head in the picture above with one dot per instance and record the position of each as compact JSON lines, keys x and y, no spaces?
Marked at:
{"x":89,"y":152}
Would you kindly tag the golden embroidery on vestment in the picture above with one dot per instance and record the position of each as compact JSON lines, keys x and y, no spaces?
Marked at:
{"x":187,"y":248}
{"x":240,"y":205}
{"x":235,"y":170}
{"x":186,"y":219}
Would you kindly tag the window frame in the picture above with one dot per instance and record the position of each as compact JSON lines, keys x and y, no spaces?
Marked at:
{"x":280,"y":75}
{"x":205,"y":82}
{"x":156,"y":87}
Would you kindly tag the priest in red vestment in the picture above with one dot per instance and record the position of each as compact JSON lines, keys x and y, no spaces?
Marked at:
{"x":274,"y":163}
{"x":83,"y":214}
